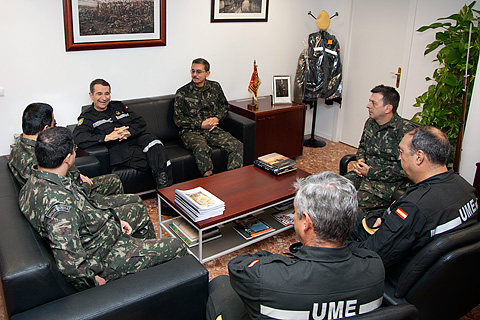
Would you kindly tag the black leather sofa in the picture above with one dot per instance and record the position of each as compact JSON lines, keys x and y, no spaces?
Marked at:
{"x":158,"y":114}
{"x":34,"y":288}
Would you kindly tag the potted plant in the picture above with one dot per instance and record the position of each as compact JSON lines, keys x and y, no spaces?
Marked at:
{"x":441,"y":104}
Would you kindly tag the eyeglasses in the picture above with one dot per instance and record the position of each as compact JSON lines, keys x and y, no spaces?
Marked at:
{"x":197,"y":71}
{"x":75,"y":147}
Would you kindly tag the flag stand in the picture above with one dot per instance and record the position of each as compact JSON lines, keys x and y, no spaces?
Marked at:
{"x":312,"y":142}
{"x":253,"y":105}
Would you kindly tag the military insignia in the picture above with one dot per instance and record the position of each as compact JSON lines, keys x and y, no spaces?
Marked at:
{"x":117,"y":112}
{"x":80,"y":121}
{"x":251,"y":264}
{"x":126,"y":107}
{"x":402,"y":214}
{"x":57,"y":208}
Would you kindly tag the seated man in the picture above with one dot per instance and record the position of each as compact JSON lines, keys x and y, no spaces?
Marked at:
{"x":124,"y":133}
{"x":323,"y":280}
{"x":439,"y":201}
{"x":90,"y":243}
{"x":200,"y":106}
{"x":103,"y":189}
{"x":377,"y":172}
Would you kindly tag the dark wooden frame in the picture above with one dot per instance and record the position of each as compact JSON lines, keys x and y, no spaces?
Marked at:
{"x":70,"y":45}
{"x":239,"y":19}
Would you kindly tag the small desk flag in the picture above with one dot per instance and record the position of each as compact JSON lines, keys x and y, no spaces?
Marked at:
{"x":254,"y":82}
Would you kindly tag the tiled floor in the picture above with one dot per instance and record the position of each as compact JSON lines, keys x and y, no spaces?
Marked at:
{"x":313,"y":160}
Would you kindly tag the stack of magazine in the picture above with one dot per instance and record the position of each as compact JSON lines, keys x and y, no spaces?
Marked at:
{"x":199,"y":204}
{"x":189,"y":234}
{"x":251,"y":227}
{"x":276,"y":163}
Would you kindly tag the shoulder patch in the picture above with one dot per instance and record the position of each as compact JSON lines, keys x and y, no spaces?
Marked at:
{"x":57,"y":208}
{"x":402,"y":214}
{"x":126,"y":107}
{"x":80,"y":121}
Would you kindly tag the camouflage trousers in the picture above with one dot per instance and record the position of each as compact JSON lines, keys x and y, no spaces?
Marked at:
{"x":136,"y":215}
{"x":106,"y":185}
{"x":367,"y":191}
{"x":201,"y":141}
{"x":130,"y":255}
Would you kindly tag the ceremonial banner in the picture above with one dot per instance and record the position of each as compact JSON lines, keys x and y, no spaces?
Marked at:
{"x":254,"y":82}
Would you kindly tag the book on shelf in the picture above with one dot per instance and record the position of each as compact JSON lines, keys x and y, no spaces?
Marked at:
{"x":284,"y":217}
{"x":251,"y":227}
{"x":276,"y":163}
{"x":198,"y":203}
{"x":188,"y":234}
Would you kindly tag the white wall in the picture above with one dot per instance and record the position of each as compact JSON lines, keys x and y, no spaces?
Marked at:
{"x":36,"y":67}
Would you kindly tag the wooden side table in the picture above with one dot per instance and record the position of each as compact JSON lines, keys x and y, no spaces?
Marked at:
{"x":280,"y":127}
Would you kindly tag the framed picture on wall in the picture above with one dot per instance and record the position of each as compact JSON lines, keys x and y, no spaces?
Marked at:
{"x":281,"y":89}
{"x":99,"y":24}
{"x":239,"y":11}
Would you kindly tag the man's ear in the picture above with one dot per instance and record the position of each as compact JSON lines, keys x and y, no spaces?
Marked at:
{"x":419,"y":157}
{"x":308,"y":223}
{"x":388,"y":108}
{"x":91,"y":95}
{"x":69,"y":160}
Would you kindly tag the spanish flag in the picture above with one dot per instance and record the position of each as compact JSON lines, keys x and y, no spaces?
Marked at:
{"x":254,"y":82}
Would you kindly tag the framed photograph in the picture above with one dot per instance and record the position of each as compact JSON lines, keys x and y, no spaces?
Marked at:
{"x":281,"y":89}
{"x":111,"y":24}
{"x":239,"y":11}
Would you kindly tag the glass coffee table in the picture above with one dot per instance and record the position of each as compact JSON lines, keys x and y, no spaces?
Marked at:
{"x":246,"y":191}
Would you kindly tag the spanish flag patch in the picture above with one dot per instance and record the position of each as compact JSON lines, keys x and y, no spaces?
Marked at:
{"x":80,"y":121}
{"x":402,"y":214}
{"x":251,"y":264}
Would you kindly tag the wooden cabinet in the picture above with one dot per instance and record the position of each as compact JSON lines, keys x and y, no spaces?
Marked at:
{"x":280,"y":127}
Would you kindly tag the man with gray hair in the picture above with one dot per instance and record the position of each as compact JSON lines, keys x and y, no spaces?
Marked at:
{"x":323,"y":279}
{"x":439,"y":201}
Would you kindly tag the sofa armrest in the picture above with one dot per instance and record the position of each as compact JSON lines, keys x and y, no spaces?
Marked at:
{"x":243,"y":129}
{"x":88,"y":165}
{"x":101,"y":153}
{"x":177,"y":289}
{"x":343,"y":168}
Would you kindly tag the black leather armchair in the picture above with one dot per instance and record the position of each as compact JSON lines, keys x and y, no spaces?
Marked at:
{"x":443,"y":279}
{"x":158,"y":114}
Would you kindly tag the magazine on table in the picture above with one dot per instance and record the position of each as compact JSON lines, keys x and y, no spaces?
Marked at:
{"x":251,"y":227}
{"x":188,"y":234}
{"x":284,"y":217}
{"x":199,"y":204}
{"x":276,"y":163}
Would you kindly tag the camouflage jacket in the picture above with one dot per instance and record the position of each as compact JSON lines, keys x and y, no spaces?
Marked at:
{"x":379,"y":147}
{"x":22,"y":159}
{"x":193,"y":105}
{"x":80,"y":232}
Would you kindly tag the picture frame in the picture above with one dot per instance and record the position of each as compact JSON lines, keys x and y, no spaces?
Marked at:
{"x":282,"y":92}
{"x":250,"y":11}
{"x":96,"y":24}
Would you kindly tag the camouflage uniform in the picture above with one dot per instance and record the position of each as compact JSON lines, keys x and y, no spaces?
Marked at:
{"x":86,"y":237}
{"x":193,"y":105}
{"x":106,"y":189}
{"x":379,"y":148}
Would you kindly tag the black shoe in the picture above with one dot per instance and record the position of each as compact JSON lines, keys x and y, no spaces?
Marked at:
{"x":295,"y":247}
{"x":161,"y":180}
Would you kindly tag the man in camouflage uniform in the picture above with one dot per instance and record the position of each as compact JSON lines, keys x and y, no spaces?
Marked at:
{"x":106,"y":189}
{"x":124,"y":133}
{"x":200,"y":106}
{"x":377,"y":172}
{"x":90,"y":243}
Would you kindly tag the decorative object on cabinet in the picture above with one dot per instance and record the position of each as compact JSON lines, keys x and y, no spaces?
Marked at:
{"x":239,"y":11}
{"x":94,"y":25}
{"x":281,"y":89}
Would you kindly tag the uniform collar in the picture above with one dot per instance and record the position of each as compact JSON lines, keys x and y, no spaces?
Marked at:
{"x":52,"y":177}
{"x":438,"y":178}
{"x":320,"y":254}
{"x":28,"y":142}
{"x":205,"y":87}
{"x":392,"y":123}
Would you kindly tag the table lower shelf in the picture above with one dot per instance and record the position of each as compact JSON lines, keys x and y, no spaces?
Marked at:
{"x":231,"y":240}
